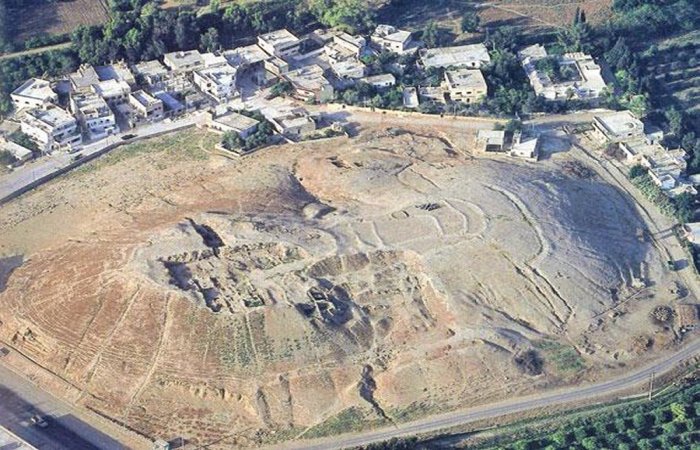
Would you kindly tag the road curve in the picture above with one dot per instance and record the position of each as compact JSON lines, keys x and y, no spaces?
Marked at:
{"x":492,"y":411}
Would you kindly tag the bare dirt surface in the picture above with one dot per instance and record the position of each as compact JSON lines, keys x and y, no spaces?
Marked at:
{"x":316,"y":288}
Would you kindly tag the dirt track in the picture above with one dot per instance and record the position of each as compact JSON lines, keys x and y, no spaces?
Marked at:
{"x":321,"y":285}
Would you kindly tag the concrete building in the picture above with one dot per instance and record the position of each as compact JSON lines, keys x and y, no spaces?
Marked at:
{"x":19,"y":153}
{"x":52,"y":129}
{"x":233,"y":121}
{"x":93,"y":114}
{"x":213,"y":60}
{"x":280,"y":43}
{"x":310,"y":83}
{"x":579,"y":77}
{"x":465,"y":85}
{"x":219,"y":81}
{"x":472,"y":56}
{"x":617,"y":127}
{"x":172,"y":107}
{"x":151,"y":72}
{"x":147,"y":107}
{"x":527,"y":147}
{"x":83,"y":78}
{"x":389,"y":38}
{"x":351,"y":45}
{"x":276,"y":66}
{"x":348,"y":71}
{"x":118,"y":71}
{"x":292,"y":123}
{"x":434,"y":94}
{"x":114,"y":92}
{"x":383,"y":81}
{"x":184,"y":61}
{"x":246,"y":57}
{"x":34,"y":93}
{"x":491,"y":141}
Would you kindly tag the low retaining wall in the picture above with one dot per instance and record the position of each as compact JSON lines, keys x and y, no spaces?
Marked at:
{"x":57,"y":173}
{"x":338,"y":107}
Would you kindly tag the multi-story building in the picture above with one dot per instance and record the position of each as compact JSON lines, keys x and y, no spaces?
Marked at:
{"x":280,"y":43}
{"x":219,"y":81}
{"x":34,"y":93}
{"x":114,"y":92}
{"x":83,"y":78}
{"x":390,"y":38}
{"x":93,"y":114}
{"x":465,"y":85}
{"x":617,"y":127}
{"x":118,"y":71}
{"x":151,"y":72}
{"x":310,"y":83}
{"x":52,"y":128}
{"x":184,"y":61}
{"x":146,"y":107}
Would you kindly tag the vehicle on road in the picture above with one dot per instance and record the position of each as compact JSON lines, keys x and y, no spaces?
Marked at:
{"x":77,"y":157}
{"x":4,"y":351}
{"x":39,"y":421}
{"x":126,"y":137}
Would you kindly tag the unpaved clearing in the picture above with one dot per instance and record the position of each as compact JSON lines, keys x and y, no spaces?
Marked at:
{"x":305,"y":289}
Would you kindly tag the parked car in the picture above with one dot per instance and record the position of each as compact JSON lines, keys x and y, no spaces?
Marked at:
{"x":39,"y":421}
{"x":126,"y":137}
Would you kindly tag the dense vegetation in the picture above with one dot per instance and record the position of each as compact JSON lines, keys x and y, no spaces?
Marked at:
{"x":232,"y":141}
{"x":679,"y":207}
{"x":669,"y":422}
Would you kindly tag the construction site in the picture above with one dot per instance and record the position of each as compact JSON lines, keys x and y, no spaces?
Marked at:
{"x":327,"y":286}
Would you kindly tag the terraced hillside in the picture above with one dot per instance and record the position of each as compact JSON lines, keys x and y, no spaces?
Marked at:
{"x":676,"y":67}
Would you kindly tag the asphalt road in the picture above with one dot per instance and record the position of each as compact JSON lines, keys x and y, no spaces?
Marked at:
{"x":20,"y":400}
{"x":555,"y":398}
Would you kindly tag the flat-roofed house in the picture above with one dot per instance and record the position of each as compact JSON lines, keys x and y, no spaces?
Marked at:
{"x":292,"y":123}
{"x":184,"y":61}
{"x":527,"y":147}
{"x":491,"y":141}
{"x":310,"y":83}
{"x":410,"y":97}
{"x":577,"y":76}
{"x":348,"y":71}
{"x":466,"y":85}
{"x":390,"y":38}
{"x":117,"y":71}
{"x":147,"y":107}
{"x":83,"y":78}
{"x":151,"y":72}
{"x":172,"y":106}
{"x":34,"y":93}
{"x":218,"y":81}
{"x":276,"y":65}
{"x":213,"y":60}
{"x":52,"y":128}
{"x":280,"y":43}
{"x":617,"y":127}
{"x":20,"y":153}
{"x":233,"y":122}
{"x":115,"y":92}
{"x":246,"y":57}
{"x":382,"y":81}
{"x":94,"y":115}
{"x":353,"y":45}
{"x":472,"y":56}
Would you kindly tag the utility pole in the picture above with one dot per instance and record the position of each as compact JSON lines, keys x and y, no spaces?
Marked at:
{"x":651,"y":385}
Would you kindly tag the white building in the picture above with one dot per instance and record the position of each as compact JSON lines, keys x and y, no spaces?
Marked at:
{"x":235,"y":122}
{"x":172,"y":107}
{"x":213,"y":60}
{"x":118,"y":71}
{"x":293,"y":123}
{"x":34,"y":93}
{"x":83,"y":78}
{"x":246,"y":57}
{"x":52,"y":129}
{"x":410,"y":97}
{"x":146,"y":107}
{"x":152,"y":72}
{"x":114,"y":92}
{"x":310,"y":83}
{"x":618,"y":126}
{"x":19,"y":153}
{"x":579,"y":77}
{"x":389,"y":38}
{"x":280,"y":43}
{"x":472,"y":56}
{"x":383,"y":81}
{"x":93,"y":114}
{"x":218,"y":81}
{"x":184,"y":61}
{"x":466,"y":85}
{"x":352,"y":45}
{"x":348,"y":70}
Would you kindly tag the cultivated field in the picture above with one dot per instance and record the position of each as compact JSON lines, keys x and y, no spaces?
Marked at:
{"x":58,"y":17}
{"x":676,"y":66}
{"x":316,"y":288}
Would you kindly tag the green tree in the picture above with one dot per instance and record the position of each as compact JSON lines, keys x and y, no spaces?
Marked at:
{"x":209,"y":41}
{"x":431,"y":34}
{"x":352,"y":15}
{"x":470,"y":21}
{"x":232,"y":141}
{"x":679,"y":412}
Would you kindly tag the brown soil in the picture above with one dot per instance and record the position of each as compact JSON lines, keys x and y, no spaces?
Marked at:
{"x":223,"y":300}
